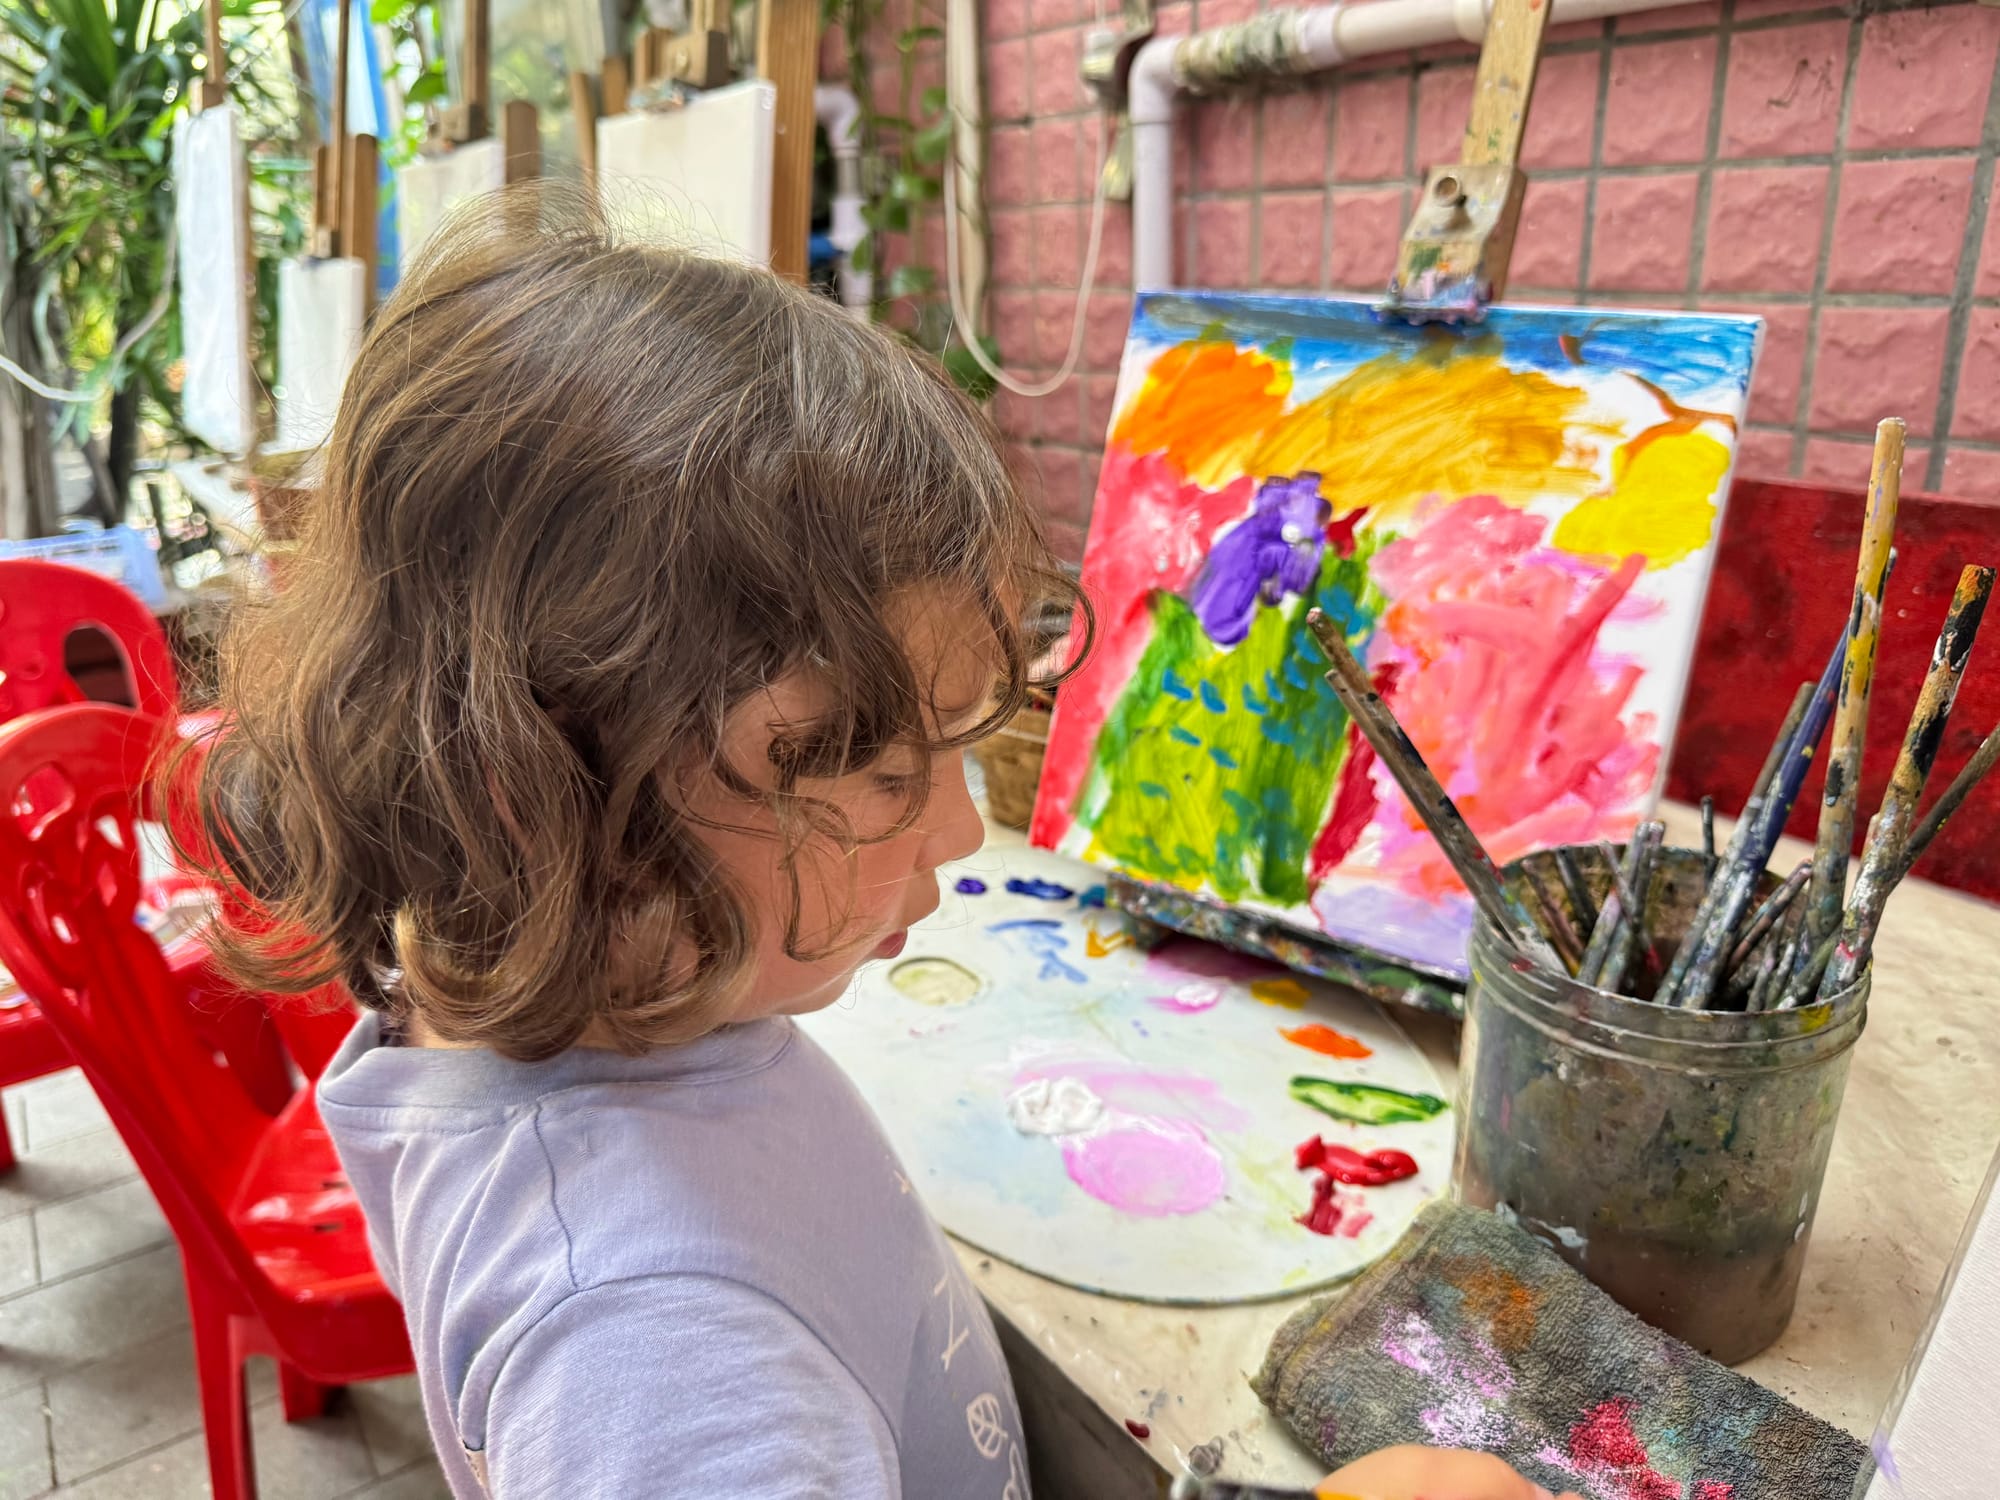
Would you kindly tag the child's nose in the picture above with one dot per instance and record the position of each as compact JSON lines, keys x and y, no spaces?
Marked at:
{"x":956,"y":829}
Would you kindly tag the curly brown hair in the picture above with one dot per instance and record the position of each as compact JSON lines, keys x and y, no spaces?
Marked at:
{"x":582,"y":498}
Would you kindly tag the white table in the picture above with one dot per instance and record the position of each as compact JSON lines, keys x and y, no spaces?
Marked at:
{"x":1921,"y":1118}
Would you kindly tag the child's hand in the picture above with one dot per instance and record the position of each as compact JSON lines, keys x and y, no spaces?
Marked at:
{"x":1431,"y":1474}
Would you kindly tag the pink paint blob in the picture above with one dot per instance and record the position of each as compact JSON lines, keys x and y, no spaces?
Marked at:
{"x":1152,"y":1168}
{"x":1167,"y":1098}
{"x":1192,"y":998}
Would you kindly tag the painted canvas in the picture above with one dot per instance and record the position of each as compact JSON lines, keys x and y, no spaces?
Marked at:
{"x":1514,"y":523}
{"x":1187,"y":1125}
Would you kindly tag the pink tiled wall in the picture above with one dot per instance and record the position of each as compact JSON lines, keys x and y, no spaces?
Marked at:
{"x":1831,"y":172}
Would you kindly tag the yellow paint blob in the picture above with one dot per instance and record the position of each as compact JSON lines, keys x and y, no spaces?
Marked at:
{"x":1286,"y":994}
{"x":1661,"y":505}
{"x":1400,"y":429}
{"x":1100,"y":945}
{"x":1204,"y":405}
{"x":933,"y":981}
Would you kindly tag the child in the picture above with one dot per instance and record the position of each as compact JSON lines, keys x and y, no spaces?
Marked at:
{"x":609,"y":716}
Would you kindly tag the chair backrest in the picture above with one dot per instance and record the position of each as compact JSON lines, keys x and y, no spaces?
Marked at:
{"x":41,"y":605}
{"x":69,"y":888}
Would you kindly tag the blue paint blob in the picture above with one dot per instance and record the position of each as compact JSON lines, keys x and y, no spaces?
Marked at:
{"x":970,"y":887}
{"x":1211,"y":699}
{"x":1041,"y":890}
{"x":1152,"y":789}
{"x":1173,"y":687}
{"x":1183,"y":736}
{"x":1092,"y":899}
{"x":1252,"y":702}
{"x":1222,"y":758}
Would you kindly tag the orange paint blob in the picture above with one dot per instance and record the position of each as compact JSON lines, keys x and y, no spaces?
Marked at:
{"x":1098,"y":945}
{"x":1325,"y":1041}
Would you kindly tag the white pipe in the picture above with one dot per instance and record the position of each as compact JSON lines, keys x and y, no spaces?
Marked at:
{"x":839,"y":115}
{"x":1298,"y":41}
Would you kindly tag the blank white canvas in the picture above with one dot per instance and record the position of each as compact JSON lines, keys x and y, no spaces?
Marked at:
{"x":211,"y":225}
{"x":319,"y":330}
{"x":698,"y":176}
{"x":432,"y":186}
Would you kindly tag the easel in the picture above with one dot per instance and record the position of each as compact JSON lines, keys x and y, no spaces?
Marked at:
{"x":1453,"y":260}
{"x":463,"y":159}
{"x":787,"y":56}
{"x":345,"y":170}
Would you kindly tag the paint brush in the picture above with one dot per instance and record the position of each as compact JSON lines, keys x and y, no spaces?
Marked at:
{"x":1739,"y":842}
{"x":1738,"y":881}
{"x":1631,"y":937}
{"x":1948,"y":801}
{"x":1882,"y":860}
{"x":1429,"y":800}
{"x":1202,"y":1487}
{"x":1555,"y":921}
{"x":1707,"y":842}
{"x":1766,"y":916}
{"x":1864,"y":625}
{"x":1580,"y":900}
{"x":1611,"y":915}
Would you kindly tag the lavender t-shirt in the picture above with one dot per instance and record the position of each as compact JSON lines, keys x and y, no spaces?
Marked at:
{"x":698,"y":1272}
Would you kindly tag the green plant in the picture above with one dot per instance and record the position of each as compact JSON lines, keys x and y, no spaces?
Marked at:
{"x":906,"y":148}
{"x":92,"y":89}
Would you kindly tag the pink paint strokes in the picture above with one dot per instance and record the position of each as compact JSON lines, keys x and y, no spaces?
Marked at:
{"x":1493,"y":642}
{"x":1192,"y":998}
{"x":1193,"y":975}
{"x":1472,"y":1382}
{"x":1151,"y":1167}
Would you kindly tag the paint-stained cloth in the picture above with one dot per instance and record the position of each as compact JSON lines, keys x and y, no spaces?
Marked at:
{"x":1471,"y":1334}
{"x":699,"y":1272}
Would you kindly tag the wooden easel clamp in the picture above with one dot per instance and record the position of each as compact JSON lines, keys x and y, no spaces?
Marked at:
{"x":471,"y":118}
{"x":1453,"y":261}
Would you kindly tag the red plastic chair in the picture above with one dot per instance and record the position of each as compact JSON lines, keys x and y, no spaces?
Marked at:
{"x":41,"y":605}
{"x":272,"y":1241}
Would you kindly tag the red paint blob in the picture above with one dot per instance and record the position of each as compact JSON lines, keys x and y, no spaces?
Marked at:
{"x":1354,"y":799}
{"x":1326,"y":1041}
{"x":1343,"y":1164}
{"x":1714,"y":1489}
{"x":1138,"y":1430}
{"x":1605,"y":1440}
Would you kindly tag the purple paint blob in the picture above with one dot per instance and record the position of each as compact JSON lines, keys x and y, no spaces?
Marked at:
{"x":1272,"y":552}
{"x":1041,"y":890}
{"x":1152,"y":1168}
{"x":970,"y":887}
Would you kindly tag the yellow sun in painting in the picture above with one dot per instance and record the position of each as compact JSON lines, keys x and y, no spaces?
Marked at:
{"x":1661,"y":504}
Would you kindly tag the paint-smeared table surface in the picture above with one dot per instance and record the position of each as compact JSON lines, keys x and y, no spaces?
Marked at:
{"x":1919,"y":1126}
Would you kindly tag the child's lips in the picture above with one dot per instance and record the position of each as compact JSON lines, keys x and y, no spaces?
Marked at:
{"x":893,"y":944}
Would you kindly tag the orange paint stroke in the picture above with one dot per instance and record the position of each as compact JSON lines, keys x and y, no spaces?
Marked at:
{"x":1399,"y":429}
{"x":1325,"y":1041}
{"x":1204,"y":405}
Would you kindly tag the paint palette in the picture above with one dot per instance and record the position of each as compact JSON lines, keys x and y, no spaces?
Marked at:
{"x":1187,"y":1125}
{"x":1513,"y":523}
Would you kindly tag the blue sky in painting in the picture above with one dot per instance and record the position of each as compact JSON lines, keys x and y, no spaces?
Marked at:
{"x":1686,"y":354}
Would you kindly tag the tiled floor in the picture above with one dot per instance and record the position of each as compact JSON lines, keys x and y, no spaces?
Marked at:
{"x":97,"y":1389}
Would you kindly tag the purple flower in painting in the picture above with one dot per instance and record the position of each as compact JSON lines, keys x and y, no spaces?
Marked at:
{"x":1272,"y":552}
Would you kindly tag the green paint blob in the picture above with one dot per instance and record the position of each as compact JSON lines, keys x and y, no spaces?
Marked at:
{"x":1366,"y":1103}
{"x":1217,"y":764}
